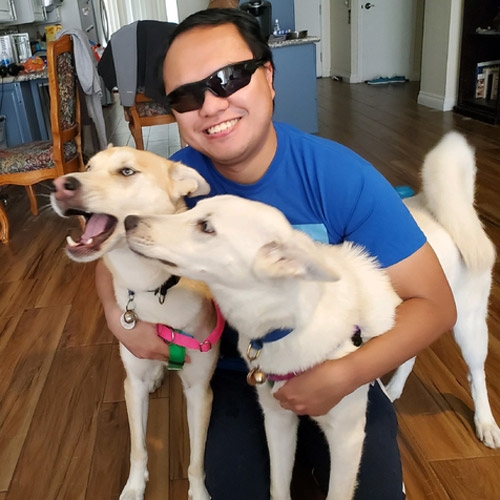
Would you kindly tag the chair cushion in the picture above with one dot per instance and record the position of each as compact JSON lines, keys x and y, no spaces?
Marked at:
{"x":152,"y":109}
{"x":32,"y":156}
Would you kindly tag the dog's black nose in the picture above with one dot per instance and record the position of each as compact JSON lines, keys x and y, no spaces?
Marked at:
{"x":131,"y":222}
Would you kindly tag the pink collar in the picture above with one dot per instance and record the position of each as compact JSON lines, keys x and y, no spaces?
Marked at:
{"x":178,"y":337}
{"x":273,"y":377}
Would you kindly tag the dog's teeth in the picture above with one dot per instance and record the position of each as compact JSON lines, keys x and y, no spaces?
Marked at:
{"x":90,"y":241}
{"x":70,"y":241}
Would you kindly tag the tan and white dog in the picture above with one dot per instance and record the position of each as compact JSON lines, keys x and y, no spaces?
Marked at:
{"x":120,"y":181}
{"x":268,"y":278}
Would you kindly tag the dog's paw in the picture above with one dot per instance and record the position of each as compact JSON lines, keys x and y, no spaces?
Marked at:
{"x":131,"y":494}
{"x":198,"y":492}
{"x":134,"y":489}
{"x":489,"y":434}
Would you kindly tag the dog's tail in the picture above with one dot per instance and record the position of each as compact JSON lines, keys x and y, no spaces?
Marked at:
{"x":448,"y":178}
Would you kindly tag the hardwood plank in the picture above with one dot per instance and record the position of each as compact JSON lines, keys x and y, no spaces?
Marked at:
{"x":470,"y":479}
{"x":110,"y":458}
{"x":26,"y":360}
{"x":179,"y":489}
{"x":86,"y":324}
{"x":114,"y":391}
{"x":17,"y":296}
{"x":159,"y":445}
{"x":421,"y":482}
{"x":63,"y":428}
{"x":179,"y":434}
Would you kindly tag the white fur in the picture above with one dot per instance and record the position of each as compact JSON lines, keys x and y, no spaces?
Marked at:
{"x":266,"y":276}
{"x":156,"y":185}
{"x":467,"y":257}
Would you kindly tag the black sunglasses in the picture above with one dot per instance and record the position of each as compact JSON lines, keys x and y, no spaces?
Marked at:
{"x":223,"y":83}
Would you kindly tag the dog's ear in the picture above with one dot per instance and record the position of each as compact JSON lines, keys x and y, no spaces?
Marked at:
{"x":187,"y":181}
{"x":291,"y":259}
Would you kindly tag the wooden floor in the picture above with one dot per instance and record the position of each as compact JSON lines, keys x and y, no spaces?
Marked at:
{"x":63,"y":425}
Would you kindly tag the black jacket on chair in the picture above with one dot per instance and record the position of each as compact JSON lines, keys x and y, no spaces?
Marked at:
{"x":152,"y":39}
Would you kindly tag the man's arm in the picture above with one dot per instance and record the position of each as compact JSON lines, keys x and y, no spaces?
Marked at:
{"x":427,"y":311}
{"x":142,"y":341}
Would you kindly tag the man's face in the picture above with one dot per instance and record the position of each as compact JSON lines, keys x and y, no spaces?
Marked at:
{"x":228,"y":130}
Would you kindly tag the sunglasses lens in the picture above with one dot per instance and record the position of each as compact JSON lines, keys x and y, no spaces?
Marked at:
{"x":229,"y":80}
{"x":187,"y":98}
{"x":222,"y":83}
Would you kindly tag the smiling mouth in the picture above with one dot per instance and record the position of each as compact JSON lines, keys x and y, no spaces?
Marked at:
{"x":222,"y":127}
{"x":98,"y":228}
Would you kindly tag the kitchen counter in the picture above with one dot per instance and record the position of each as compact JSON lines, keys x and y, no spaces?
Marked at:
{"x":25,"y":103}
{"x":291,"y":43}
{"x":25,"y":77}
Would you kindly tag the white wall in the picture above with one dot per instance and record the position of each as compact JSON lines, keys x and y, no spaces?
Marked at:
{"x":440,"y":54}
{"x":188,"y":7}
{"x":340,"y":39}
{"x":436,"y":49}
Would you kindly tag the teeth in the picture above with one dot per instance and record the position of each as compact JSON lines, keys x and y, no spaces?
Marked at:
{"x":222,"y":126}
{"x":72,"y":243}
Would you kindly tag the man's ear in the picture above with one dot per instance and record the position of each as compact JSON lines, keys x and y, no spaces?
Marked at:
{"x":186,"y":181}
{"x":286,"y":260}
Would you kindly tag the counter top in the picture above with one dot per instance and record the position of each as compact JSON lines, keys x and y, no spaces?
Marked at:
{"x":24,"y":77}
{"x":297,"y":41}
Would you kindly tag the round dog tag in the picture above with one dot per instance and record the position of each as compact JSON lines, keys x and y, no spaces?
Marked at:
{"x":256,"y":377}
{"x":128,"y":319}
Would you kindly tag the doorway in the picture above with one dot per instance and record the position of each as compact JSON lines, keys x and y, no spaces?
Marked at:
{"x":373,"y":39}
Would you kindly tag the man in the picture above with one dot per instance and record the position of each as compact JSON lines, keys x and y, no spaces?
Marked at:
{"x":218,"y":75}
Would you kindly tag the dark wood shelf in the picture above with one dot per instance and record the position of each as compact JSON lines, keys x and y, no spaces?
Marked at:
{"x":476,"y":48}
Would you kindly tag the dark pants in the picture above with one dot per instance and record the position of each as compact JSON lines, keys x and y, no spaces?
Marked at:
{"x":237,"y":460}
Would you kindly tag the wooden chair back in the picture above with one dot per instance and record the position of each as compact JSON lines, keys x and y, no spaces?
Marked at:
{"x":28,"y":164}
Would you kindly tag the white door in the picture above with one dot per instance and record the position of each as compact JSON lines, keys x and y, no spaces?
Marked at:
{"x":308,"y":17}
{"x":384,"y":32}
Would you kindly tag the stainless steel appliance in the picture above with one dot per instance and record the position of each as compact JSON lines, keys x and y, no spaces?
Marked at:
{"x":262,"y":11}
{"x":21,"y":42}
{"x":94,"y":20}
{"x":50,"y":5}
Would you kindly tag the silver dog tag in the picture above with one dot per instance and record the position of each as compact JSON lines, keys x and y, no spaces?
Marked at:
{"x":128,"y":319}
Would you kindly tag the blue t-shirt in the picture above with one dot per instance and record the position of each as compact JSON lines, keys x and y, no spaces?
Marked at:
{"x":326,"y":190}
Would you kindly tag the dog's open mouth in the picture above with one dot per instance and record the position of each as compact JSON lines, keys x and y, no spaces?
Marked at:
{"x":98,"y":228}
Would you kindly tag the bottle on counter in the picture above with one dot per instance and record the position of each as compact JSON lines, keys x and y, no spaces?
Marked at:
{"x":5,"y":61}
{"x":277,"y":27}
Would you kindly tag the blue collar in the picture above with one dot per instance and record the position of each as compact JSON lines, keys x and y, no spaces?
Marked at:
{"x":256,"y":345}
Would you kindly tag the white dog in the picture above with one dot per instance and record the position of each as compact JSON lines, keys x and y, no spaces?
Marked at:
{"x":296,"y":303}
{"x":120,"y":181}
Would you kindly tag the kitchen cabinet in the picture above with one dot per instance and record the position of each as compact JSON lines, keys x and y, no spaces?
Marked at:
{"x":7,"y":12}
{"x":480,"y":45}
{"x":296,"y":101}
{"x":30,"y":11}
{"x":20,"y":104}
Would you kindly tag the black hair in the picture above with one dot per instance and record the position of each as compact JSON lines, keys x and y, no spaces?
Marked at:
{"x":245,"y":23}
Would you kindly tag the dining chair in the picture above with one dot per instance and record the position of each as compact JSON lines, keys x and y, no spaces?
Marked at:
{"x":30,"y":163}
{"x":131,"y":63}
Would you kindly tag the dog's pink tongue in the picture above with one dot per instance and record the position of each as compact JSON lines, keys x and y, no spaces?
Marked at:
{"x":95,"y":225}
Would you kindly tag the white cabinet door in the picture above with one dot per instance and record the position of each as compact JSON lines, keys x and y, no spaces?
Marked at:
{"x":6,"y":11}
{"x":38,"y":10}
{"x":29,"y":11}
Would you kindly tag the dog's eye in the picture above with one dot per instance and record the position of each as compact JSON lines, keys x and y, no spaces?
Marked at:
{"x":205,"y":227}
{"x":127,"y":171}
